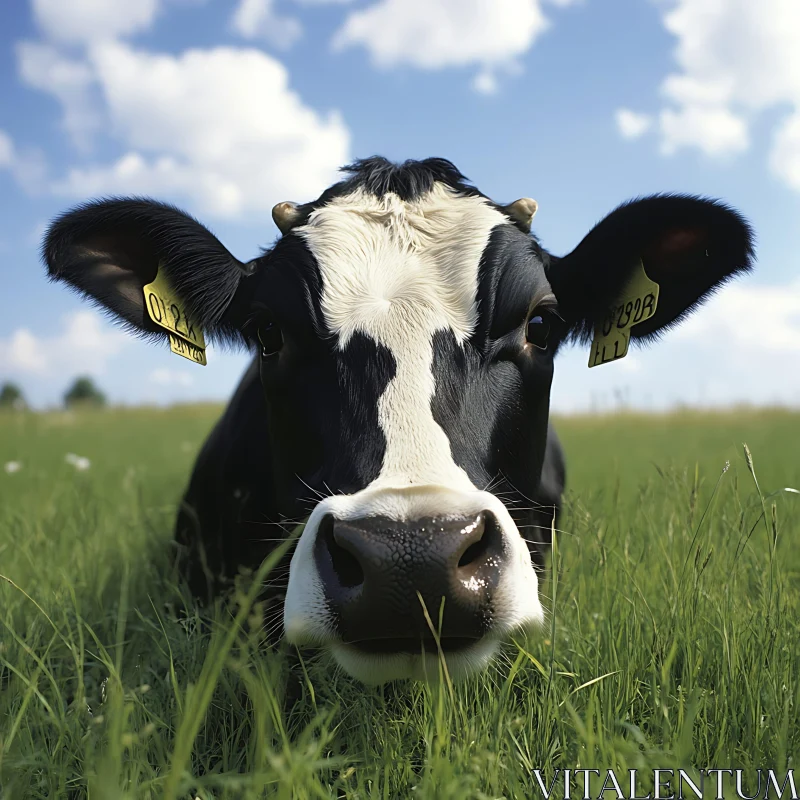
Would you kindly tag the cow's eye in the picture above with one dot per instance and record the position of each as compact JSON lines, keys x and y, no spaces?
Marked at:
{"x":537,"y":331}
{"x":270,"y":338}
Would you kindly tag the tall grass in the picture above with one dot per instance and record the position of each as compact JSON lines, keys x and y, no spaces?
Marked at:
{"x":673,"y":638}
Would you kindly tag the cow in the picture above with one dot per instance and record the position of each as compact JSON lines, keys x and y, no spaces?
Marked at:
{"x":404,"y":328}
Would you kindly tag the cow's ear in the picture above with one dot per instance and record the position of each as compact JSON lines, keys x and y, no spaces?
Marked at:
{"x":688,"y":245}
{"x":109,"y":250}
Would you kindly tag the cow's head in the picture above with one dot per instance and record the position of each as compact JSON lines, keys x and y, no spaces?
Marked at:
{"x":406,"y":327}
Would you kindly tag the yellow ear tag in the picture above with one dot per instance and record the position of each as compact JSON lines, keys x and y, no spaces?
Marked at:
{"x":166,"y":309}
{"x":637,"y":303}
{"x":186,"y":349}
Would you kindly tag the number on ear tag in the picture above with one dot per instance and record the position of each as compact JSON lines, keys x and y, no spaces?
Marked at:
{"x":637,"y":303}
{"x":166,"y":309}
{"x":186,"y":349}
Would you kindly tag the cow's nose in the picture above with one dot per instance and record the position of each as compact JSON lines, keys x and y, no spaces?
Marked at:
{"x":377,"y":573}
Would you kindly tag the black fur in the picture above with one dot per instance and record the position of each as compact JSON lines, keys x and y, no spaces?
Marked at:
{"x":409,"y":180}
{"x":718,"y":246}
{"x":109,"y":249}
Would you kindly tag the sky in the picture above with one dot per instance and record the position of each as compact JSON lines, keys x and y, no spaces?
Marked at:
{"x":226,"y":107}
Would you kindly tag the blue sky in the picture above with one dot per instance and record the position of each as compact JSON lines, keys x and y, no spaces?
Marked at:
{"x":227,"y":107}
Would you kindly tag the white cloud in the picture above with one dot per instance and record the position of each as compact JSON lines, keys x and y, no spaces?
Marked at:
{"x":171,"y":377}
{"x":70,"y":80}
{"x":24,"y":352}
{"x":85,"y":344}
{"x":785,"y":156}
{"x":631,"y":124}
{"x":79,"y":21}
{"x":6,"y":150}
{"x":220,"y":127}
{"x":436,"y":33}
{"x":753,"y":320}
{"x":256,"y":19}
{"x":714,"y":130}
{"x":485,"y":82}
{"x":433,"y":34}
{"x":27,"y":167}
{"x":631,"y":363}
{"x":742,"y":346}
{"x":736,"y":59}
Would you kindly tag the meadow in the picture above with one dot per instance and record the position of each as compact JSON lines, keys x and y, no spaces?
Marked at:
{"x":672,"y":640}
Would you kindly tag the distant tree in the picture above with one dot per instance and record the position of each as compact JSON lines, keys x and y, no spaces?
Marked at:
{"x":11,"y":397}
{"x":84,"y":392}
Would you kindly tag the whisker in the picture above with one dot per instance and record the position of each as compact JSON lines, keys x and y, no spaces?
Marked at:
{"x":495,"y":481}
{"x":289,"y":523}
{"x":546,"y":528}
{"x":521,"y":494}
{"x":319,"y":494}
{"x":270,"y":540}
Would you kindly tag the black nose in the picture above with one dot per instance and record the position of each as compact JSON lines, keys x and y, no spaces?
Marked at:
{"x":375,"y":570}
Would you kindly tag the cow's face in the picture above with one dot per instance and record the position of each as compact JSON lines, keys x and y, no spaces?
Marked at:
{"x":406,"y":367}
{"x":406,"y":328}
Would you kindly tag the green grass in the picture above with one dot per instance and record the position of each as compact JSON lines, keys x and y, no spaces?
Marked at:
{"x":674,"y":642}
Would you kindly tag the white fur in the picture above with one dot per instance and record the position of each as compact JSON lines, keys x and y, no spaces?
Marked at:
{"x":399,"y":272}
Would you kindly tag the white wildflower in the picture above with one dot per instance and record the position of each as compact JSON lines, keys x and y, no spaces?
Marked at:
{"x":81,"y":463}
{"x":12,"y":466}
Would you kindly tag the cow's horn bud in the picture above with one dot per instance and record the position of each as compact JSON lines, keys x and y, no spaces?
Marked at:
{"x":523,"y":212}
{"x":286,"y":216}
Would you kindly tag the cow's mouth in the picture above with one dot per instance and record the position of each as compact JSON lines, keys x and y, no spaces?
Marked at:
{"x":380,"y":660}
{"x":412,"y":645}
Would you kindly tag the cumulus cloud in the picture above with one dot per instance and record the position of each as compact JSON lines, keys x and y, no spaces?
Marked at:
{"x":715,"y":131}
{"x":218,"y":128}
{"x":70,"y":80}
{"x":735,"y":60}
{"x":24,"y":352}
{"x":257,"y":19}
{"x":752,"y":320}
{"x":27,"y":166}
{"x":84,"y":344}
{"x":631,"y":124}
{"x":171,"y":377}
{"x":433,"y":34}
{"x":81,"y":21}
{"x":742,"y":346}
{"x":785,"y":156}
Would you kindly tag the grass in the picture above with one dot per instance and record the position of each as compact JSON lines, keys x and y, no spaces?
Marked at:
{"x":674,"y":642}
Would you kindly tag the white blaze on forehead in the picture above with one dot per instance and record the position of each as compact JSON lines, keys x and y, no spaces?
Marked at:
{"x":399,"y":271}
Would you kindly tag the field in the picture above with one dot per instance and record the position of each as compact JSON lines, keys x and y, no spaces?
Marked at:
{"x":673,"y":642}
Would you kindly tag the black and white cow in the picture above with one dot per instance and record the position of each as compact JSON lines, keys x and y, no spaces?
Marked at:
{"x":405,"y":328}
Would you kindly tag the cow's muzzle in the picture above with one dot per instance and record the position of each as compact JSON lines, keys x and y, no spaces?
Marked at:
{"x":397,"y":587}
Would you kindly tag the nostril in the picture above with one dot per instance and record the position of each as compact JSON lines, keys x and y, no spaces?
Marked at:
{"x":474,"y":552}
{"x":489,"y":543}
{"x":345,"y":564}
